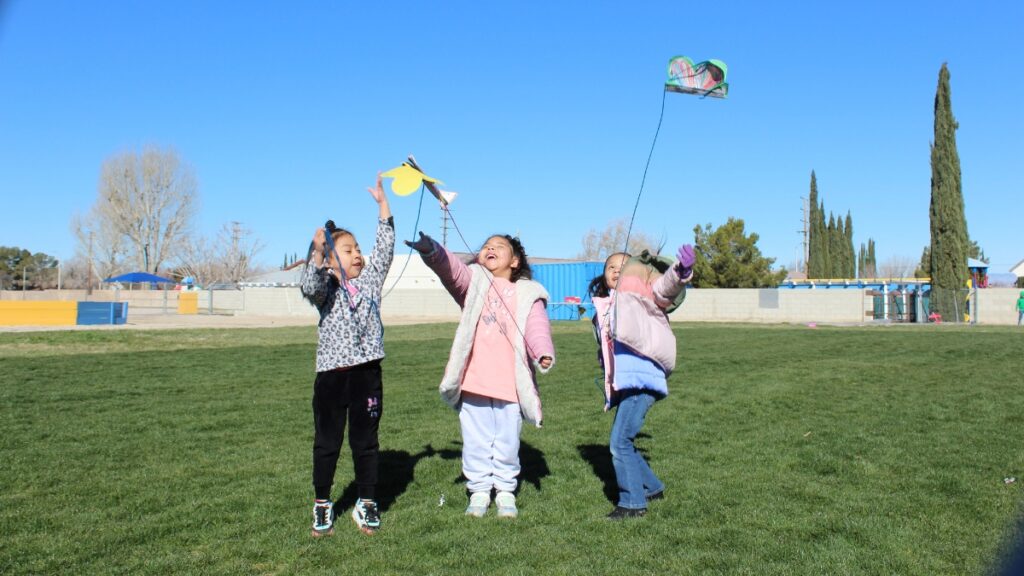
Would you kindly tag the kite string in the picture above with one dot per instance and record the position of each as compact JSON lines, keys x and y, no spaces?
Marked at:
{"x":632,"y":218}
{"x":415,"y":229}
{"x":629,"y":230}
{"x":490,"y":280}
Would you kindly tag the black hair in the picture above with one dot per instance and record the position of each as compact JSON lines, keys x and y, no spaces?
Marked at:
{"x":598,"y":286}
{"x":334,"y":233}
{"x":523,"y":270}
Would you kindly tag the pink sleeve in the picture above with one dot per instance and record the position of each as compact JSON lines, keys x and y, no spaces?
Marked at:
{"x":538,"y":333}
{"x":453,"y":273}
{"x":668,"y":287}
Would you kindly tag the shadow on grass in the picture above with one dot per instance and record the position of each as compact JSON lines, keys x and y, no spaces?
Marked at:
{"x":396,"y":470}
{"x":534,"y":465}
{"x":600,"y":459}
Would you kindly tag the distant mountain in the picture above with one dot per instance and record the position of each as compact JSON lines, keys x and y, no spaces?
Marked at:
{"x":1004,"y":279}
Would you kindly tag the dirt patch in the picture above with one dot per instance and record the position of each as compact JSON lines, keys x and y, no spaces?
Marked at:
{"x":156,"y":321}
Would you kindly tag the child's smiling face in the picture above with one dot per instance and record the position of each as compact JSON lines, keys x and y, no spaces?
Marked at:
{"x":498,"y":257}
{"x":346,"y":248}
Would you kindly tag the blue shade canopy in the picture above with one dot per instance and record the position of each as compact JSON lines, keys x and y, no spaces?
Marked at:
{"x":140,"y":277}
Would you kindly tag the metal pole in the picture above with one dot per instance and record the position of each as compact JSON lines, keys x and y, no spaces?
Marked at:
{"x":88,"y":285}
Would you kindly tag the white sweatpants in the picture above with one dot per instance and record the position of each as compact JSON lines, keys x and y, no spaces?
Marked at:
{"x":490,"y":443}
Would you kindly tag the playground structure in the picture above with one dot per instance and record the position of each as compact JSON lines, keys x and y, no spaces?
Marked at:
{"x":904,"y":299}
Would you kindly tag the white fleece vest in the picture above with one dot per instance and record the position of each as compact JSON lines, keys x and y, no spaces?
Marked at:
{"x":527,"y":292}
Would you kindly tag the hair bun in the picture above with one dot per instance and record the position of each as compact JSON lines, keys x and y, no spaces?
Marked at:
{"x":330,"y":226}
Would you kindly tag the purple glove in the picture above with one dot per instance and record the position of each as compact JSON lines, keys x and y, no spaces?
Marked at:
{"x":425,"y":245}
{"x":686,"y":259}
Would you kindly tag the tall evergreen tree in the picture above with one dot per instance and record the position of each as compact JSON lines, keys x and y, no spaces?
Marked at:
{"x":839,"y":258}
{"x":824,"y":244}
{"x":833,"y":247}
{"x":861,"y":256}
{"x":870,"y":264}
{"x":850,"y":255}
{"x":817,"y":251}
{"x":949,"y":239}
{"x":924,"y":268}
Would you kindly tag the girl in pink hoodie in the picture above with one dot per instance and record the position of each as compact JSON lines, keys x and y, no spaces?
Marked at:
{"x":637,"y":350}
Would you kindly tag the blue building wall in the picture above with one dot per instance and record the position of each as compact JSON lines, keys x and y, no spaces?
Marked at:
{"x":567,"y":280}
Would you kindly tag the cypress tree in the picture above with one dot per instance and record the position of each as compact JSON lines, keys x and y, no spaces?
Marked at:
{"x":833,"y":247}
{"x":851,"y":256}
{"x":861,"y":254}
{"x":839,"y":259}
{"x":870,"y":266}
{"x":949,"y":240}
{"x":824,"y":244}
{"x":816,"y":255}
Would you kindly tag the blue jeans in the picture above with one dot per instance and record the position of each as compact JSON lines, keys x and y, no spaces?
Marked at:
{"x":635,"y":478}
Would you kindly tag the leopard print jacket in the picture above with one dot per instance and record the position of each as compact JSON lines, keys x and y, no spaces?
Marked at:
{"x":351,"y":332}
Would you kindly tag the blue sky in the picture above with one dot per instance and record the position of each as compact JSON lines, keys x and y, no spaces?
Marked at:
{"x":540,"y":114}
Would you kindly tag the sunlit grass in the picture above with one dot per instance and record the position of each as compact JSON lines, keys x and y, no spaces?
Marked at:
{"x":786,"y":450}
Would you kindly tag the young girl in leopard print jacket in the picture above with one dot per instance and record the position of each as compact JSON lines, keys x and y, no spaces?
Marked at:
{"x":346,"y":290}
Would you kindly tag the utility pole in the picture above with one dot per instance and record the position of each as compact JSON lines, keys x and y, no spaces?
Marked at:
{"x":805,"y":231}
{"x":444,"y":224}
{"x":88,"y":285}
{"x":235,"y":256}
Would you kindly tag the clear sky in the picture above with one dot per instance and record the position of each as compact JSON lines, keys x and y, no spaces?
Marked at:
{"x":540,"y":114}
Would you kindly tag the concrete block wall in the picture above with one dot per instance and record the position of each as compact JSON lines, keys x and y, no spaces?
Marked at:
{"x":998,"y":305}
{"x":428,"y":301}
{"x":773,"y":306}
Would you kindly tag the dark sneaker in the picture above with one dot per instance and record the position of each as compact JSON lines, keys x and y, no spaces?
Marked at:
{"x":659,"y":495}
{"x":621,"y":513}
{"x":323,"y":518}
{"x":366,"y":516}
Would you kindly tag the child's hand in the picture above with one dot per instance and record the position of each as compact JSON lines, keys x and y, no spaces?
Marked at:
{"x":686,"y":259}
{"x":378,"y":191}
{"x":545,"y":362}
{"x":425,"y":245}
{"x":319,"y":239}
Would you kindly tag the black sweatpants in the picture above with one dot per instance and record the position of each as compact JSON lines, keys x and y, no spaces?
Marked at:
{"x":358,"y":395}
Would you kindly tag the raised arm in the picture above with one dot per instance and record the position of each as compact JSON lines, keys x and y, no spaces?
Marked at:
{"x":453,"y":273}
{"x":674,"y":280}
{"x":315,"y":279}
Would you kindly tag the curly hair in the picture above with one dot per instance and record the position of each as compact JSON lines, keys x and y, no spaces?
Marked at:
{"x":523,"y":271}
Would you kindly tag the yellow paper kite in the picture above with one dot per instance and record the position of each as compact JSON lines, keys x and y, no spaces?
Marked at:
{"x":407,"y":179}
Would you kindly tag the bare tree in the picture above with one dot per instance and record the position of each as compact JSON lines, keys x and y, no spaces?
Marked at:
{"x":241,"y":248}
{"x":598,"y":245}
{"x":101,"y":249}
{"x":229,"y":258}
{"x":897,"y":267}
{"x":145,"y":205}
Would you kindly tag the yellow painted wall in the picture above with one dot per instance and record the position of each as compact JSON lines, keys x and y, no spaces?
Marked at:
{"x":38,"y":313}
{"x":188,"y":303}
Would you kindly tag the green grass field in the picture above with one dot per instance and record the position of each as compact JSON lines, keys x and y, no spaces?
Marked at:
{"x":785,"y":450}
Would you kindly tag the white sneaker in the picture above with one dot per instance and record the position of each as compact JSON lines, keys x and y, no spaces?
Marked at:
{"x":506,"y":502}
{"x":478,"y":504}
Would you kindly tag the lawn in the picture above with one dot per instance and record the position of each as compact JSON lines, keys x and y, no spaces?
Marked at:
{"x":785,"y":450}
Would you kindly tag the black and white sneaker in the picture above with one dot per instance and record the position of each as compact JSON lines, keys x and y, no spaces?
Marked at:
{"x":366,"y":516}
{"x":323,"y":518}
